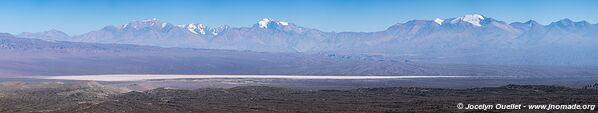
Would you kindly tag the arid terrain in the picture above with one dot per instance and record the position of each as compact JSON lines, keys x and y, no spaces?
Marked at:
{"x":93,"y":97}
{"x":298,"y":56}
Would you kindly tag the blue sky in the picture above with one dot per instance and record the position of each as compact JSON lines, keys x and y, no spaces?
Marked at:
{"x":80,"y":16}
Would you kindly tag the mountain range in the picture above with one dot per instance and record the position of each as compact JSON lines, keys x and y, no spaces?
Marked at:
{"x":467,"y":39}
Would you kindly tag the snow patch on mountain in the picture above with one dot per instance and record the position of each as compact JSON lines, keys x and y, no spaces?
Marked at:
{"x":124,"y":26}
{"x":283,"y":23}
{"x":264,"y":23}
{"x":192,"y":28}
{"x":195,"y":28}
{"x":202,"y":29}
{"x":473,"y":19}
{"x":438,"y":21}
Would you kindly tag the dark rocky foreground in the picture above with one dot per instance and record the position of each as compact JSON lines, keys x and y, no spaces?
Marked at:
{"x":91,"y":97}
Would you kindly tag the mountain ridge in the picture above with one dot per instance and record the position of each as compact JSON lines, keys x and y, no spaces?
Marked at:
{"x":454,"y":39}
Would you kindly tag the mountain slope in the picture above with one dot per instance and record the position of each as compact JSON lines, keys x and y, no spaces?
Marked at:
{"x":34,"y":57}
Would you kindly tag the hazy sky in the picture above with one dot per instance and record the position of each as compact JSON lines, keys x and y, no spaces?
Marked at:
{"x":79,"y":16}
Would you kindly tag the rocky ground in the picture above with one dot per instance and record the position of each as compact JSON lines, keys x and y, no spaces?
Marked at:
{"x":92,"y":97}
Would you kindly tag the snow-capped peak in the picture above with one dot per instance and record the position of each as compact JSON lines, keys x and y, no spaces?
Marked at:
{"x":195,"y":28}
{"x":191,"y":28}
{"x":264,"y":23}
{"x":202,"y":29}
{"x":473,"y":19}
{"x":438,"y":21}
